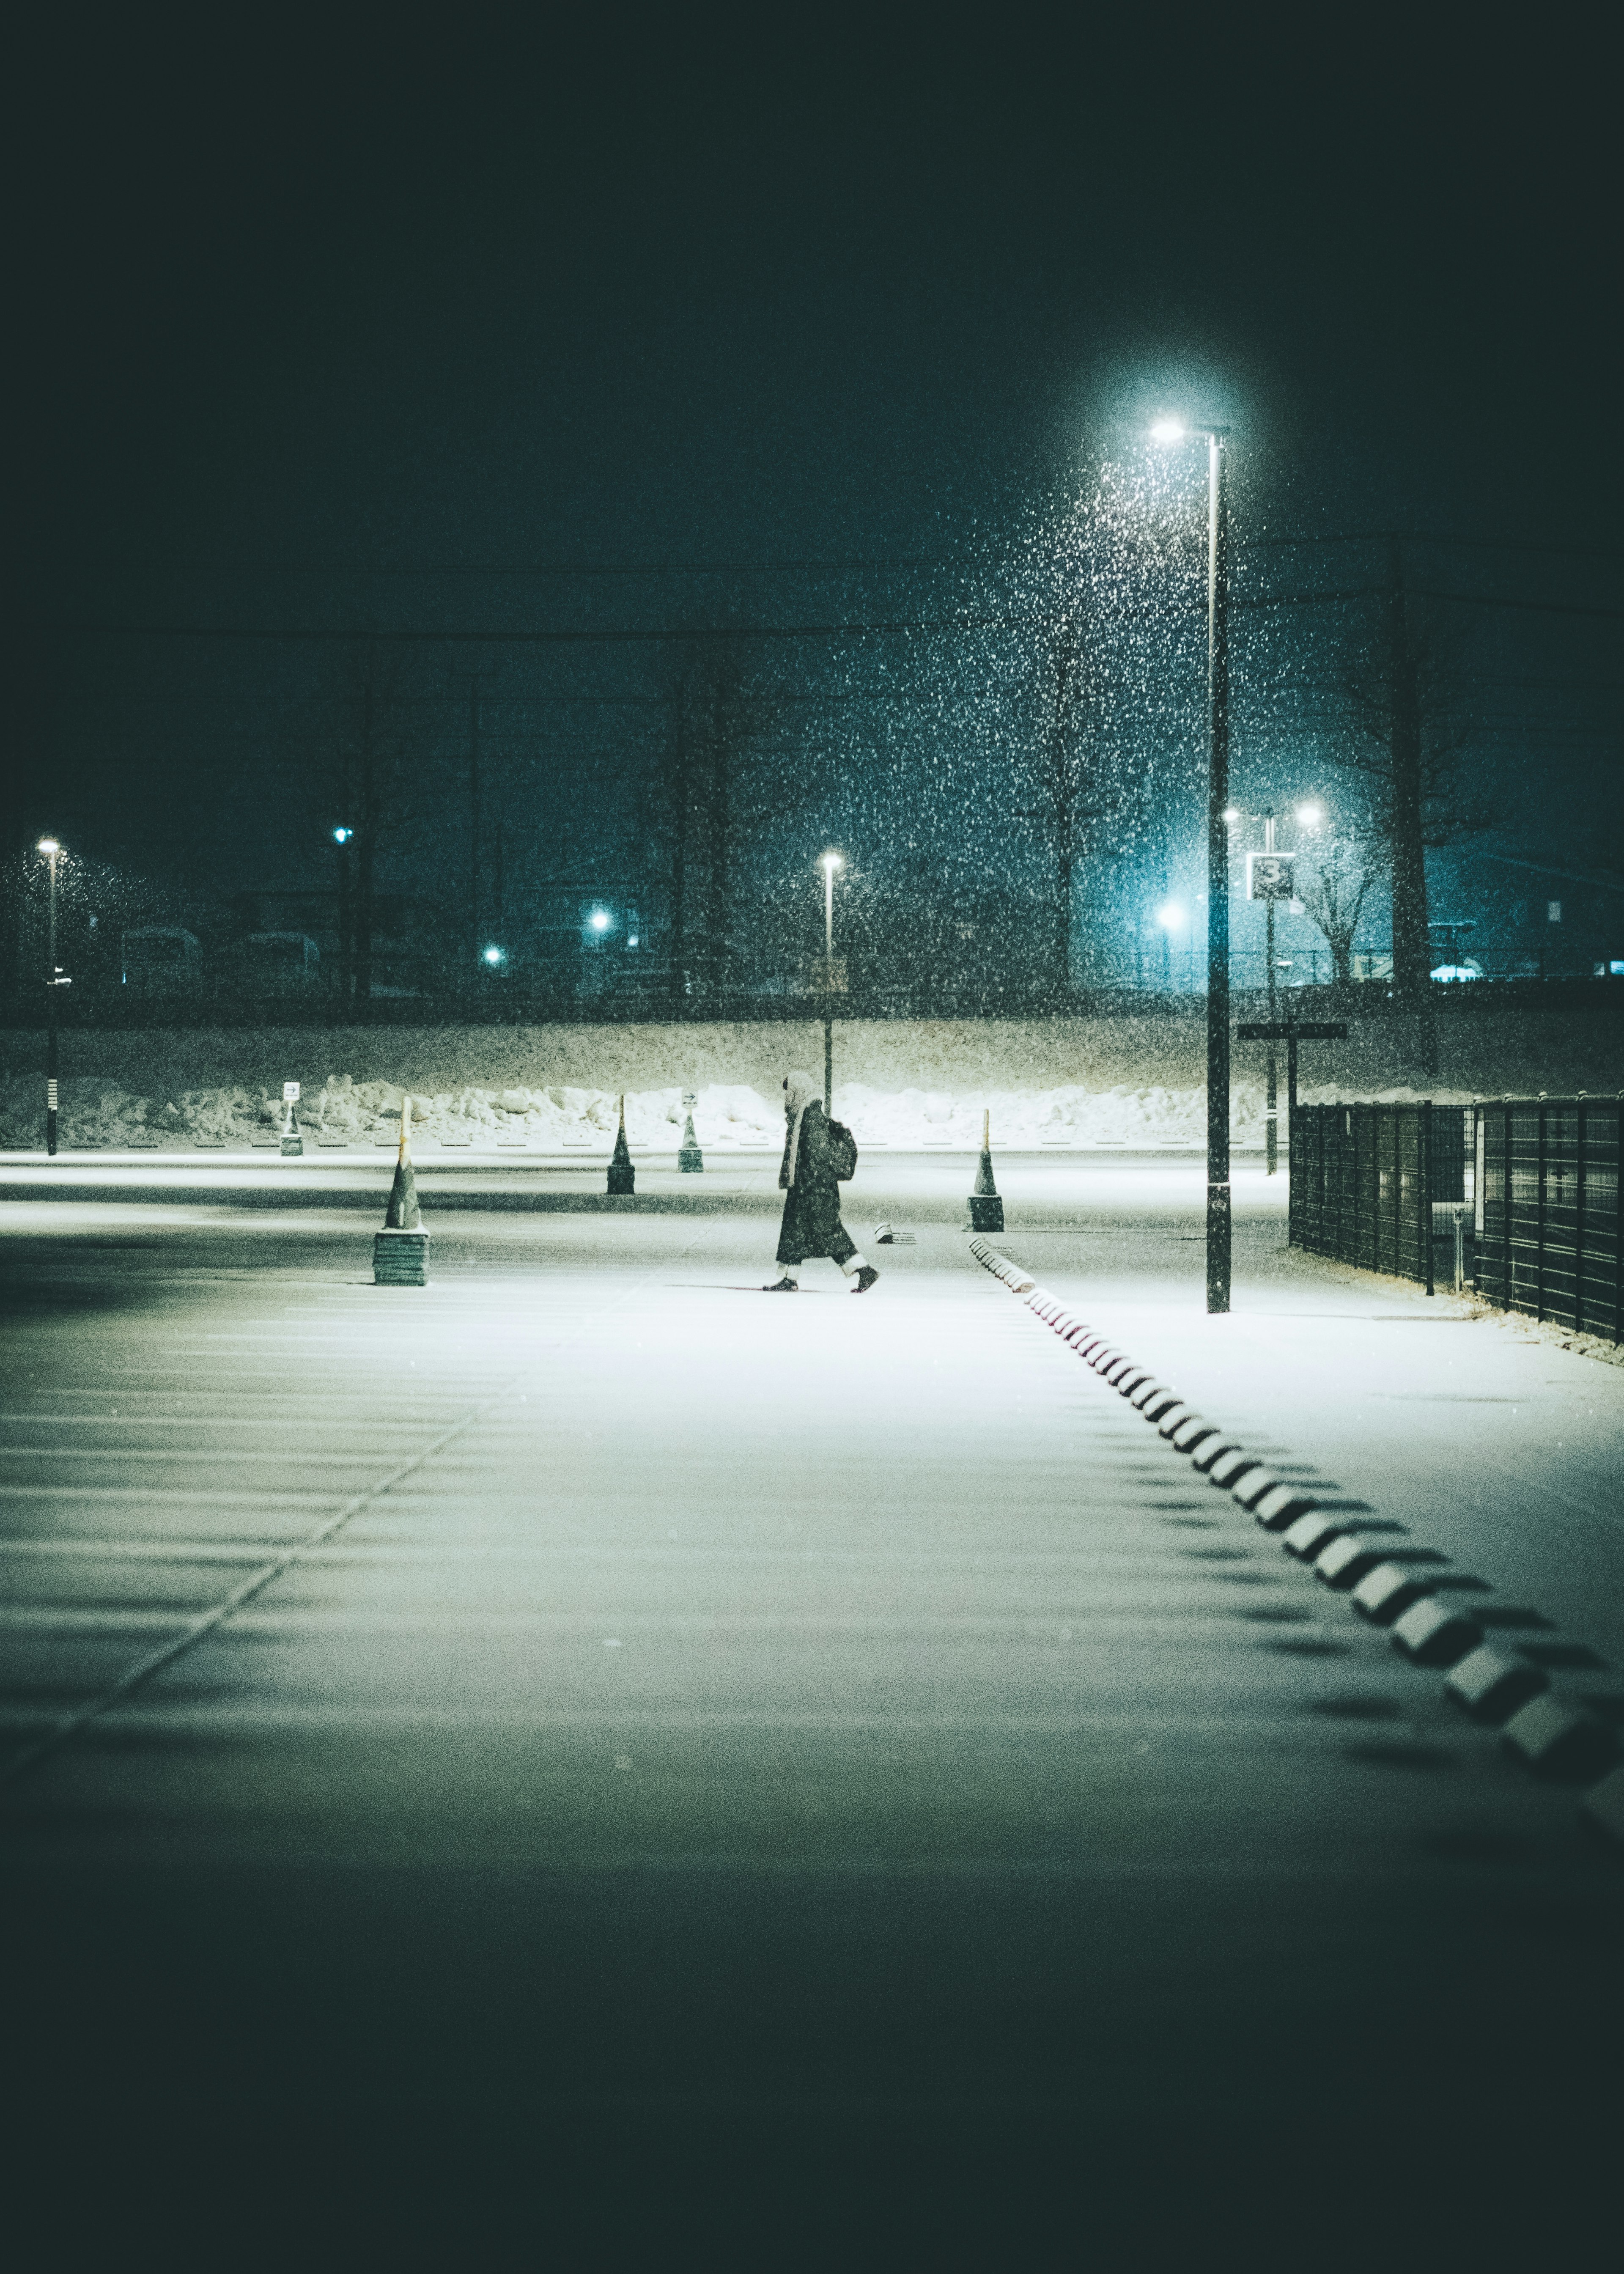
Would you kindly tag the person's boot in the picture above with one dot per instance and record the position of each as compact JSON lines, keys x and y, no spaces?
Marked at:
{"x":785,"y":1286}
{"x":866,"y":1277}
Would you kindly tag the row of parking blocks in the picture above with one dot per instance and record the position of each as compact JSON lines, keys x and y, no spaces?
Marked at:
{"x":1402,"y":1589}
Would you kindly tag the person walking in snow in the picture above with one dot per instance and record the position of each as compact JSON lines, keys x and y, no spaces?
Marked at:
{"x":815,"y":1154}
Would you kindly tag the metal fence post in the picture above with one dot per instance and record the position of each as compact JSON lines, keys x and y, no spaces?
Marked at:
{"x":1539,"y":1251}
{"x":1424,"y":1179}
{"x":1579,"y":1134}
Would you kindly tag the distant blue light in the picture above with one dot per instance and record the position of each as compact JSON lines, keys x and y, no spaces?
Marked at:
{"x":495,"y":955}
{"x":600,"y":919}
{"x":342,"y":836}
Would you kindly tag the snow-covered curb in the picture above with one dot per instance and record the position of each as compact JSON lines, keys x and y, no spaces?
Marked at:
{"x":1542,"y":1731}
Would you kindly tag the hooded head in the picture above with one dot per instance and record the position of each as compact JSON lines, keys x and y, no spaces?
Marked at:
{"x":800,"y":1090}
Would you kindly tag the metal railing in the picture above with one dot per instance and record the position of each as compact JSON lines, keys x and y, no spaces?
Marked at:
{"x":1547,"y":1230}
{"x":1519,"y":1199}
{"x":1361,"y":1191}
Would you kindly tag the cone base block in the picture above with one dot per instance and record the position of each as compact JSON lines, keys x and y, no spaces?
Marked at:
{"x":399,"y":1258}
{"x":986,"y":1212}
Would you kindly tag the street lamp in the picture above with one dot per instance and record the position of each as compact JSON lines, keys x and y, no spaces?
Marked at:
{"x":1170,"y":917}
{"x":1218,"y":1219}
{"x":829,"y":863}
{"x":343,"y":837}
{"x":52,"y":851}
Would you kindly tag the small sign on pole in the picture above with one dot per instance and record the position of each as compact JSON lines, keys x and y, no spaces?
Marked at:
{"x":290,"y":1093}
{"x":1268,"y":877}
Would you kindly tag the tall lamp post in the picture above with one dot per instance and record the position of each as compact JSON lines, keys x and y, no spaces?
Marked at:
{"x":341,"y":838}
{"x":1175,"y":430}
{"x":52,"y":852}
{"x":830,"y":863}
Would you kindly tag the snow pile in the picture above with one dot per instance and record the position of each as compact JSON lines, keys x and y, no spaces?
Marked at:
{"x":96,"y":1114}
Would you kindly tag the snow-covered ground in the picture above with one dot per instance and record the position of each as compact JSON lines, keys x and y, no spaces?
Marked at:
{"x":96,"y":1114}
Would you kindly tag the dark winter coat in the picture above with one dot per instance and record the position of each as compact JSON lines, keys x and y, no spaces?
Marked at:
{"x":812,"y":1225}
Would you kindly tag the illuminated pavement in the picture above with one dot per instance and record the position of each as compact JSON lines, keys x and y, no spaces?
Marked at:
{"x":557,"y":1734}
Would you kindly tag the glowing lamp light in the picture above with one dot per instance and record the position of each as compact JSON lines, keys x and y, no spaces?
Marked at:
{"x":599,"y":920}
{"x":495,"y":955}
{"x":1311,"y":815}
{"x":1169,"y":915}
{"x":1169,"y":430}
{"x":1231,"y":814}
{"x":47,"y":846}
{"x":831,"y":861}
{"x":342,"y":836}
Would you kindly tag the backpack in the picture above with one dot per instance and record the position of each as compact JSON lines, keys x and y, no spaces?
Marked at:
{"x":842,"y":1150}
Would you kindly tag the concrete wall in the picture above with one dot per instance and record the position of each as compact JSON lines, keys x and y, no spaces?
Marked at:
{"x":1466,"y":1050}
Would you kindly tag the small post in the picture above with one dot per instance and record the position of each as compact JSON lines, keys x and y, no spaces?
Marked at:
{"x":985,"y":1206}
{"x":292,"y":1143}
{"x":690,"y":1160}
{"x":622,"y":1176}
{"x":401,"y":1250}
{"x":828,"y":1064}
{"x":1425,"y":1179}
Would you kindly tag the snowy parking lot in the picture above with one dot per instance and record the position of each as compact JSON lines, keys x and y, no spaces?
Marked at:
{"x":582,"y":1687}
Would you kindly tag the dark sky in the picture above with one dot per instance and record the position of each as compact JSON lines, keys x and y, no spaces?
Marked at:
{"x":307,"y":295}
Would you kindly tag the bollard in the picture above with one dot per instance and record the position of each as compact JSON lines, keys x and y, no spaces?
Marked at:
{"x":986,"y":1207}
{"x":690,"y":1160}
{"x":622,"y":1176}
{"x":401,"y":1250}
{"x":292,"y":1143}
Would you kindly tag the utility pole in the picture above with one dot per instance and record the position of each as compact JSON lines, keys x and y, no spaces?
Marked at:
{"x":1410,"y":960}
{"x":369,"y":839}
{"x":1218,"y":1209}
{"x":473,"y":831}
{"x":1271,"y":1108}
{"x":52,"y":851}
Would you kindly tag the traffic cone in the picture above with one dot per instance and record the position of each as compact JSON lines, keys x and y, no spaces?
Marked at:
{"x":986,"y":1207}
{"x":622,"y":1176}
{"x":690,"y":1160}
{"x":401,"y":1250}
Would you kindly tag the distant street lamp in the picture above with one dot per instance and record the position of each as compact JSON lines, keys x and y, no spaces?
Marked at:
{"x":1218,"y":1215}
{"x":52,"y":851}
{"x":1170,"y":917}
{"x":343,"y":837}
{"x":495,"y":957}
{"x":829,"y":863}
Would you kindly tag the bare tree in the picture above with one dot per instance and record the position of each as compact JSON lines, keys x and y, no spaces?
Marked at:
{"x":1405,"y":698}
{"x":1066,"y":768}
{"x":721,"y":713}
{"x":1334,"y":893}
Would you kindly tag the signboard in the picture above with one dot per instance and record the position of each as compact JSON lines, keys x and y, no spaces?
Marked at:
{"x":1268,"y":877}
{"x":290,"y":1093}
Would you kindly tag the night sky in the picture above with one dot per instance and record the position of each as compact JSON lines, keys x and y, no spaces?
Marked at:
{"x":337,"y":325}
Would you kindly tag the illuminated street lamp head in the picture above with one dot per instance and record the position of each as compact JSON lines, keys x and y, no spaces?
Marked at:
{"x":599,"y":920}
{"x":1311,"y":815}
{"x":1169,"y":430}
{"x":1231,"y":814}
{"x":47,"y":846}
{"x":831,"y":861}
{"x":494,"y":955}
{"x":1169,"y":915}
{"x":342,"y":836}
